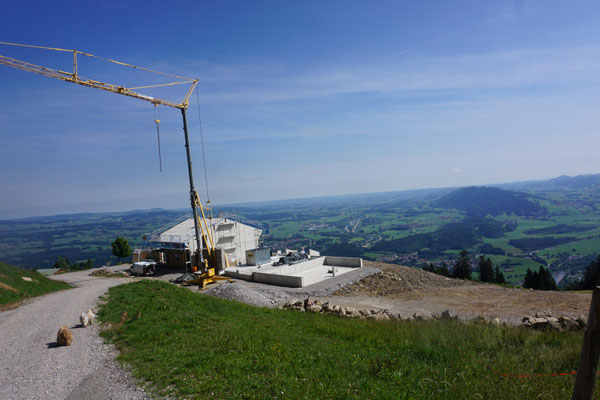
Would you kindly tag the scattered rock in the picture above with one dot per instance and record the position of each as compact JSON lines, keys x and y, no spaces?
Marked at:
{"x":568,"y":324}
{"x":560,"y":323}
{"x":394,"y":316}
{"x":543,"y":314}
{"x":27,"y":279}
{"x":314,"y":308}
{"x":447,"y":314}
{"x":308,"y":302}
{"x":378,"y":317}
{"x":64,"y":337}
{"x":421,"y":316}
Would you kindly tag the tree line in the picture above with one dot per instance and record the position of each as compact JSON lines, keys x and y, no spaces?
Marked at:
{"x":462,"y":269}
{"x":65,"y":263}
{"x":591,"y":277}
{"x":120,"y":249}
{"x":539,"y":280}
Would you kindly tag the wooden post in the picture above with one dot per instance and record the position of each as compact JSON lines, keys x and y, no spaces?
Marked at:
{"x":588,"y":362}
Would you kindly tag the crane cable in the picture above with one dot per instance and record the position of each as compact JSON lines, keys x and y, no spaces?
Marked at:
{"x":203,"y":153}
{"x":106,"y":59}
{"x":157,"y":121}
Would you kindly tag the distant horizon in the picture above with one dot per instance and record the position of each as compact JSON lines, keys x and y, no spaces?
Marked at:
{"x":258,"y":203}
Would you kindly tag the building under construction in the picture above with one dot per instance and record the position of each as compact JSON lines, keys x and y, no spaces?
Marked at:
{"x":174,"y":246}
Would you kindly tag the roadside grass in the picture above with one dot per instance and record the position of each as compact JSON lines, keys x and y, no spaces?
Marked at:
{"x":13,"y":289}
{"x":187,"y":345}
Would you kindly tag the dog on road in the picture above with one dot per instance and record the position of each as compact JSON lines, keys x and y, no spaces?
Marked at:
{"x":64,"y":337}
{"x":87,"y":318}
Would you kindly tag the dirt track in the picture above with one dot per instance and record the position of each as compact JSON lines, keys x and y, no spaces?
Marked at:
{"x":408,"y":290}
{"x":33,"y":367}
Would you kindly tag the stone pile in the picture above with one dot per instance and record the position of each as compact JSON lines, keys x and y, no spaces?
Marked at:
{"x":545,"y":320}
{"x":316,"y":306}
{"x":542,"y":320}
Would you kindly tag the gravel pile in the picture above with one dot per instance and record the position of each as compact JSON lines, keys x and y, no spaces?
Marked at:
{"x":107,"y":273}
{"x":242,"y":293}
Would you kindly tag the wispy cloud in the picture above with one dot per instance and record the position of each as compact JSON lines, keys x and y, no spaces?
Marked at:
{"x":497,"y":70}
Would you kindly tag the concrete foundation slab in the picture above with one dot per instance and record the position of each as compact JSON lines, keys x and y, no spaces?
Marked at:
{"x":296,"y":275}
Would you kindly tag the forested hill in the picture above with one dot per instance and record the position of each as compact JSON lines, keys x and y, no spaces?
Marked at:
{"x":481,"y":201}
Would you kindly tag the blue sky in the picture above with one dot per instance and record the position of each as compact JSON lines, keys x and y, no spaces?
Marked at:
{"x":298,"y":99}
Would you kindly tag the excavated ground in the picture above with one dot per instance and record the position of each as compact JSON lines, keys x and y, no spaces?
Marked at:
{"x":398,"y":279}
{"x":408,"y":290}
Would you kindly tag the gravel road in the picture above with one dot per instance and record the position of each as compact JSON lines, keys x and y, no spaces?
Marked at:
{"x":32,"y":366}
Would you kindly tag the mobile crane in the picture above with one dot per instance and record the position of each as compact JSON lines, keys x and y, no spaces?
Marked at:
{"x":206,"y":267}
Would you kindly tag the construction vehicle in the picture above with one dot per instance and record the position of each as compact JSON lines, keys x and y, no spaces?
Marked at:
{"x":204,"y":269}
{"x":143,"y":268}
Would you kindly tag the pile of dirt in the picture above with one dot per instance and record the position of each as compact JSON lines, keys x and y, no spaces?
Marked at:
{"x":239,"y":292}
{"x":395,"y":279}
{"x":107,"y":273}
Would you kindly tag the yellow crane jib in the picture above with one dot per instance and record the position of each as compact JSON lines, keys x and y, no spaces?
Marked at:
{"x":74,"y":76}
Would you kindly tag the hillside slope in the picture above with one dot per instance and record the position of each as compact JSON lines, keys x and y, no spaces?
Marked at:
{"x":13,"y":288}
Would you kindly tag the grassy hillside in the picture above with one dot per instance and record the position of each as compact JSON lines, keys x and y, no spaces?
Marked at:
{"x":13,"y":288}
{"x":194,"y":346}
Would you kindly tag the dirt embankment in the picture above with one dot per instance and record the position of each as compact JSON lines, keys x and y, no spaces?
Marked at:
{"x":408,"y":290}
{"x":398,"y":279}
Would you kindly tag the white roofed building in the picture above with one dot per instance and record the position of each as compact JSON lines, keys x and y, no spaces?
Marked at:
{"x":231,"y":236}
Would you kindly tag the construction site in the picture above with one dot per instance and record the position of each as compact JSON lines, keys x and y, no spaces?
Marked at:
{"x":237,"y":254}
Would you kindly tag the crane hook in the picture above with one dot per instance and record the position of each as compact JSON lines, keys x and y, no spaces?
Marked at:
{"x":157,"y":121}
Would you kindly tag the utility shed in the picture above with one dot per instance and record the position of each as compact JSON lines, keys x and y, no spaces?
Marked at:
{"x":231,"y":236}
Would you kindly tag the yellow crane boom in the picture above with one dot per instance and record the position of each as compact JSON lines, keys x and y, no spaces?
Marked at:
{"x":74,"y":77}
{"x":202,"y":229}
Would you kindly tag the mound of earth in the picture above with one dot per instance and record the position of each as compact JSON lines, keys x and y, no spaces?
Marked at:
{"x":239,"y":292}
{"x":396,"y":279}
{"x":107,"y":273}
{"x":405,"y":290}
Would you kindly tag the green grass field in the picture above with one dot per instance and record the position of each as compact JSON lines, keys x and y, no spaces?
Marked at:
{"x":13,"y":288}
{"x":186,"y":345}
